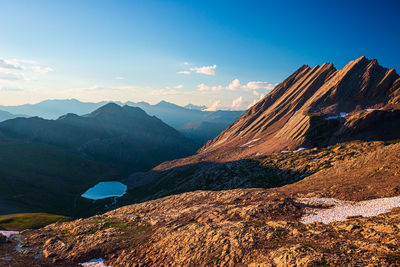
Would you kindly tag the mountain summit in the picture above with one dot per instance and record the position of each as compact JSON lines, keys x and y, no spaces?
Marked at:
{"x":316,"y":107}
{"x":123,"y":137}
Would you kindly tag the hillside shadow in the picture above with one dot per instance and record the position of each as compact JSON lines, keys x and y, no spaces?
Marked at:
{"x":378,"y":125}
{"x":206,"y":176}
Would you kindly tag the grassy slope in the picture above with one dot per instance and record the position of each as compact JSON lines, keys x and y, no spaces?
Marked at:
{"x":41,"y":178}
{"x":22,"y":221}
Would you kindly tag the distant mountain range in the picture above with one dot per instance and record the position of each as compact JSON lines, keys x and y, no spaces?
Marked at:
{"x":52,"y":109}
{"x":4,"y":115}
{"x":193,"y":121}
{"x":125,"y":137}
{"x":181,"y":118}
{"x":178,"y":116}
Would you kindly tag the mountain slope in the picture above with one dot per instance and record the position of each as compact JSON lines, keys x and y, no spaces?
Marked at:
{"x":249,"y":227}
{"x":315,"y":107}
{"x":201,"y":131}
{"x":122,"y":137}
{"x":4,"y":115}
{"x":36,"y":177}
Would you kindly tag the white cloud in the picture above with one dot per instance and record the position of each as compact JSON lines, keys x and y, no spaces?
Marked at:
{"x":10,"y":64}
{"x":187,"y":63}
{"x":234,"y":85}
{"x":261,"y":96}
{"x":237,"y":104}
{"x":184,"y":72}
{"x":207,"y":70}
{"x":259,"y":85}
{"x":203,"y":87}
{"x":120,"y":78}
{"x":253,"y":85}
{"x":179,"y":86}
{"x":216,"y":106}
{"x":41,"y":70}
{"x":19,"y":65}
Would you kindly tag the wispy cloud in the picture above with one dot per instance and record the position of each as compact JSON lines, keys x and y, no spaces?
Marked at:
{"x":237,"y":104}
{"x":259,"y":85}
{"x":253,"y":85}
{"x":41,"y":70}
{"x":207,"y":70}
{"x":120,"y":78}
{"x":179,"y":86}
{"x":203,"y":87}
{"x":9,"y":64}
{"x":236,"y":85}
{"x":23,"y":65}
{"x":187,"y":63}
{"x":184,"y":72}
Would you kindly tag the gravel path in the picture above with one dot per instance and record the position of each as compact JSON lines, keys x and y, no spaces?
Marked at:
{"x":339,"y":210}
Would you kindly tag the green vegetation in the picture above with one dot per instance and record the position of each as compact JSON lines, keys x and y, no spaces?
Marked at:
{"x":23,"y":221}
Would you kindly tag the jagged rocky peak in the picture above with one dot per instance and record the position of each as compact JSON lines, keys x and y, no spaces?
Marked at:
{"x":314,"y":106}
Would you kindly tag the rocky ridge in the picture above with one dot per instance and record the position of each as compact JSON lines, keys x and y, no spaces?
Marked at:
{"x":318,"y":106}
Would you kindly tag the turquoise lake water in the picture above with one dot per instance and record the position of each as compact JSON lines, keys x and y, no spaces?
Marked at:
{"x":105,"y":190}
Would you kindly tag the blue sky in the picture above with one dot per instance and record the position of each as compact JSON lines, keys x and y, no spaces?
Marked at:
{"x":234,"y":51}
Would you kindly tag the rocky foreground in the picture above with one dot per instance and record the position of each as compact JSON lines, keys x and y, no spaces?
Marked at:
{"x":228,"y":228}
{"x":239,"y":227}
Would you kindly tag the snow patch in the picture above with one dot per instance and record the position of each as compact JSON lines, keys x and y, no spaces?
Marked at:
{"x":8,"y":233}
{"x":248,"y":143}
{"x":341,"y":209}
{"x":105,"y":190}
{"x":94,"y":263}
{"x":294,"y":151}
{"x":300,"y":149}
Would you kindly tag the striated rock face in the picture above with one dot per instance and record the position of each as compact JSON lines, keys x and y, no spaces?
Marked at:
{"x":316,"y":106}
